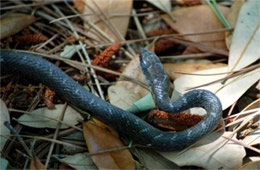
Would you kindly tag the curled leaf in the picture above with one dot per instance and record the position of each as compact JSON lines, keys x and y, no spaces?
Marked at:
{"x":100,"y":139}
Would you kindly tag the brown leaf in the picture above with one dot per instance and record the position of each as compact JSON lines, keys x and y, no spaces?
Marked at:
{"x":99,"y":139}
{"x":133,"y":69}
{"x":199,"y":19}
{"x":188,"y":68}
{"x":36,"y":164}
{"x":79,"y":5}
{"x":14,"y":23}
{"x":97,"y":8}
{"x":160,"y":32}
{"x":64,"y":166}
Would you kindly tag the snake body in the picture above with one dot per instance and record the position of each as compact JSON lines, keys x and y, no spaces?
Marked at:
{"x":34,"y":67}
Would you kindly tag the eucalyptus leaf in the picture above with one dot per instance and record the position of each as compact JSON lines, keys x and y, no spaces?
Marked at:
{"x":121,"y":96}
{"x":47,"y":118}
{"x":164,"y":5}
{"x":4,"y":131}
{"x":244,"y":49}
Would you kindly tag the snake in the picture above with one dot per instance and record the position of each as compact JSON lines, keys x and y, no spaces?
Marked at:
{"x":35,"y":68}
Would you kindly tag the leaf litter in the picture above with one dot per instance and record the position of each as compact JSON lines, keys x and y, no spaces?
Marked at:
{"x":82,"y":30}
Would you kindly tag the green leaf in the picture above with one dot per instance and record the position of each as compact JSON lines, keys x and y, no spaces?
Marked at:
{"x":144,"y":104}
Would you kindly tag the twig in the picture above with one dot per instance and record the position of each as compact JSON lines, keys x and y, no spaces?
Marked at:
{"x":84,"y":52}
{"x":58,"y":121}
{"x":62,"y":114}
{"x":20,"y":139}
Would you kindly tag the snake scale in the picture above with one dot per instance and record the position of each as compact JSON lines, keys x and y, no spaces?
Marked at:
{"x":37,"y":69}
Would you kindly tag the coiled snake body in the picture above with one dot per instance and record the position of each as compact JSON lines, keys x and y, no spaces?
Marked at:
{"x":33,"y":67}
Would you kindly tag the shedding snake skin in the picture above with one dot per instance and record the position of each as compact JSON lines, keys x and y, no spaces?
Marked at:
{"x":35,"y":68}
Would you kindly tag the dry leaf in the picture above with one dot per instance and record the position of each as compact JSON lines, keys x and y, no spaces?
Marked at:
{"x":252,"y":108}
{"x":104,"y":126}
{"x":188,"y":68}
{"x":133,"y":69}
{"x":14,"y":23}
{"x":232,"y":19}
{"x":76,"y":136}
{"x":121,"y":96}
{"x":253,"y":138}
{"x":36,"y":164}
{"x":78,"y":161}
{"x":228,"y":93}
{"x":198,"y":19}
{"x":251,"y":166}
{"x":64,"y":166}
{"x":43,"y":117}
{"x":4,"y":131}
{"x":107,"y":7}
{"x":152,"y":160}
{"x":211,"y":152}
{"x":164,"y":5}
{"x":244,"y":49}
{"x":254,"y":158}
{"x":100,"y":139}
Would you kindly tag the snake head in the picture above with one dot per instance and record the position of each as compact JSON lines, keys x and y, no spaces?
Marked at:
{"x":154,"y":73}
{"x":148,"y":59}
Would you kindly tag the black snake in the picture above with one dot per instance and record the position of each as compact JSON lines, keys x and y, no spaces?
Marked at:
{"x":34,"y":67}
